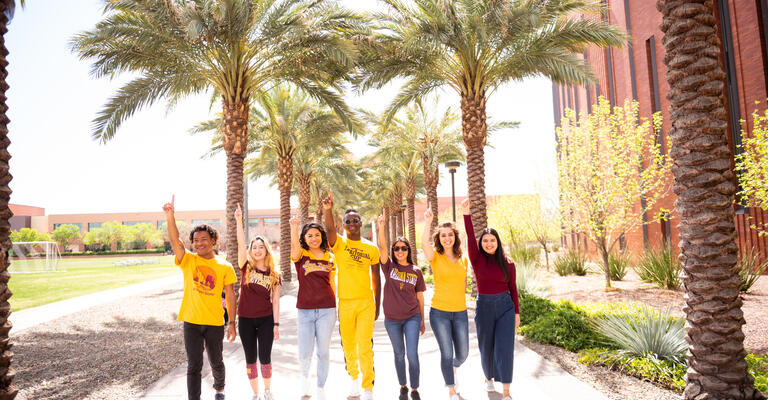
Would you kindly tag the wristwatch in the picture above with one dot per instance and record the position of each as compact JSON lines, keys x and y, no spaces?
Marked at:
{"x":276,"y":323}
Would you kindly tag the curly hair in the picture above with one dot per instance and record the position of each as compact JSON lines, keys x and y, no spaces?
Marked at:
{"x":269,"y":262}
{"x":456,"y":240}
{"x":392,"y":250}
{"x":204,"y":228}
{"x":310,"y":225}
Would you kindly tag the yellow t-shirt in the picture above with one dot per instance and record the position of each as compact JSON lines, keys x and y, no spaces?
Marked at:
{"x":450,"y":283}
{"x":353,"y":260}
{"x":204,"y":280}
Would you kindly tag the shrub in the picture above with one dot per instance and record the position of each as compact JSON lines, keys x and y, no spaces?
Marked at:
{"x":572,"y":262}
{"x":649,"y":333}
{"x":522,"y":254}
{"x":532,"y":307}
{"x":758,"y":367}
{"x":668,"y":373}
{"x":660,"y":267}
{"x":750,"y":268}
{"x":617,"y":265}
{"x":530,"y":280}
{"x":566,"y":326}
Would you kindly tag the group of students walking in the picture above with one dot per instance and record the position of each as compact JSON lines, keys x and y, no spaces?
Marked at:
{"x":321,"y":258}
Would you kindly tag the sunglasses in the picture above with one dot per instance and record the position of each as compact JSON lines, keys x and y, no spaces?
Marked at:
{"x":400,"y":248}
{"x":352,"y":221}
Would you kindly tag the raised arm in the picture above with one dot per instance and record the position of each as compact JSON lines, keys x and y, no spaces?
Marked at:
{"x":472,"y":249}
{"x":330,"y":224}
{"x":173,"y":230}
{"x":381,"y":239}
{"x":295,"y":243}
{"x":426,"y":244}
{"x":242,"y":253}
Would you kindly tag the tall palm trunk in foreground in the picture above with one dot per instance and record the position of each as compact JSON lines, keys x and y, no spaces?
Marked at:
{"x":7,"y":389}
{"x":235,"y":141}
{"x":474,"y":129}
{"x":705,"y":189}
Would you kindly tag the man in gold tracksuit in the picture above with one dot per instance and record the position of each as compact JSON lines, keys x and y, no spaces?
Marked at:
{"x":359,"y":292}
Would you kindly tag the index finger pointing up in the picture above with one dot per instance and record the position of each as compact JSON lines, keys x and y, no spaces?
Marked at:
{"x":173,"y":199}
{"x":330,"y":194}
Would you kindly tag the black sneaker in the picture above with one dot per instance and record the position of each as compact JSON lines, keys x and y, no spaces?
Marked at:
{"x":403,"y":393}
{"x":219,"y":396}
{"x":415,"y":395}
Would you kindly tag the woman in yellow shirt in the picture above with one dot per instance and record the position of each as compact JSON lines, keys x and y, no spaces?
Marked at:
{"x":448,"y":314}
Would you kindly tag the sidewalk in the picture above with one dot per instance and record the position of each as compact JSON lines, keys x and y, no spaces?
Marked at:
{"x":534,"y":376}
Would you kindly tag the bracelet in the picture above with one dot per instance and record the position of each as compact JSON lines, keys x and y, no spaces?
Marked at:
{"x":276,"y":324}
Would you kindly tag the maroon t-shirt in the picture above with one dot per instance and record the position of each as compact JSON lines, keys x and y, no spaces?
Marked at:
{"x":401,"y":283}
{"x":490,"y":278}
{"x":315,"y":281}
{"x":255,"y":294}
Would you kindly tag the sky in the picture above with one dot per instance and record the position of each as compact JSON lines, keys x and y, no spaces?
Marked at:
{"x":58,"y":166}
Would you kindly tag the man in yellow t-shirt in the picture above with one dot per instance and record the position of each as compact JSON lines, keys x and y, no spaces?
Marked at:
{"x":359,"y":292}
{"x":205,"y":276}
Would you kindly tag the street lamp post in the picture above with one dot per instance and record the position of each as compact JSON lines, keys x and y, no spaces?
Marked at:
{"x":452,"y":166}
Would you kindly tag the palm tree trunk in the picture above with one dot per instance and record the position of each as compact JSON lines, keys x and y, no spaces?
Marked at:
{"x":319,"y":212}
{"x":474,"y":129}
{"x":705,"y":197}
{"x":235,"y":142}
{"x":284,"y":183}
{"x":431,"y":179}
{"x":7,"y":389}
{"x":305,"y":196}
{"x":393,"y":222}
{"x":410,"y":198}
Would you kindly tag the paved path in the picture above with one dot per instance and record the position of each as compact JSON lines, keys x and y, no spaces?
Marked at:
{"x":534,"y":377}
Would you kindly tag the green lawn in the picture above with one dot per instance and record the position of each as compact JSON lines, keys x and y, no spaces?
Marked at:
{"x":82,"y":276}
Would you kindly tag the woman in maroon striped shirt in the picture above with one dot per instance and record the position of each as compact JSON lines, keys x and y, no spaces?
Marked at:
{"x":497,"y":314}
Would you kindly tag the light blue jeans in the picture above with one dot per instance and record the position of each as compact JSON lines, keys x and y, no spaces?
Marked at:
{"x":408,"y":329}
{"x":315,"y":326}
{"x":452,"y":333}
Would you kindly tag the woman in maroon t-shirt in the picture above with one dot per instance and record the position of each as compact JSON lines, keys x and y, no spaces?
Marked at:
{"x":258,"y":309}
{"x":403,"y":307}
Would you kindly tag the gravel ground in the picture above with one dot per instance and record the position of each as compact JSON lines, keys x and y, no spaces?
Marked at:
{"x":111,"y":351}
{"x":614,"y":385}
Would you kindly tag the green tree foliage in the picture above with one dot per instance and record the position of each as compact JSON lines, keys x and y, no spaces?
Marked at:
{"x":29,"y":235}
{"x":607,"y":161}
{"x":65,"y":234}
{"x":752,"y":167}
{"x":108,"y":235}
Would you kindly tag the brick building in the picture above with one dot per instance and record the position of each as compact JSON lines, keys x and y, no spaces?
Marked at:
{"x":637,"y":72}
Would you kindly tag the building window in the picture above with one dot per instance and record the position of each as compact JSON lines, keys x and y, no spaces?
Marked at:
{"x":253,"y":222}
{"x":94,"y":225}
{"x":653,"y":77}
{"x":131,"y":223}
{"x":80,"y":226}
{"x":206,"y":222}
{"x":730,"y":73}
{"x":271,"y":221}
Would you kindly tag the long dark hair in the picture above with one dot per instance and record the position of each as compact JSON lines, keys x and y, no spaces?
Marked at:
{"x":497,"y":257}
{"x":309,"y":225}
{"x":456,"y":241}
{"x":408,"y":258}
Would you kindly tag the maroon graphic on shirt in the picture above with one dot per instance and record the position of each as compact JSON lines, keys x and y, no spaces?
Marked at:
{"x":401,"y":283}
{"x":204,"y":278}
{"x":255,"y":294}
{"x":315,"y":290}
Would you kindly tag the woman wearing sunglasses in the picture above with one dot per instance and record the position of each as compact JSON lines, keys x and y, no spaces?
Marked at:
{"x":316,"y":300}
{"x":448,"y":314}
{"x":498,"y":311}
{"x":403,"y":307}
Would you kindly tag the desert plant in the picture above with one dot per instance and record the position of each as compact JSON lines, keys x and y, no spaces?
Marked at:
{"x":670,"y":374}
{"x":572,"y":262}
{"x":660,"y":267}
{"x":565,"y":326}
{"x":750,"y":268}
{"x":522,"y":254}
{"x":530,"y":280}
{"x":617,"y":265}
{"x":533,"y":307}
{"x":651,"y":332}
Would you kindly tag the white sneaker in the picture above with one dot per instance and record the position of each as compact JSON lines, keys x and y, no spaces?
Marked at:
{"x":354,"y":388}
{"x":305,"y":386}
{"x":256,"y":397}
{"x":507,"y":398}
{"x":320,"y":393}
{"x":489,"y":386}
{"x":267,"y":395}
{"x":367,"y":395}
{"x":455,"y":397}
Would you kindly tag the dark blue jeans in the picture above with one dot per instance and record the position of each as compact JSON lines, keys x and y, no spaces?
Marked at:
{"x":410,"y":329}
{"x":495,"y":323}
{"x":452,"y":333}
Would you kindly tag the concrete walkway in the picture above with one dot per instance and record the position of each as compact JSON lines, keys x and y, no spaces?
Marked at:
{"x":534,"y":376}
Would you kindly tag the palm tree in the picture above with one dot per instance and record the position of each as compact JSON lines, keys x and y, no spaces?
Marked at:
{"x":288,"y":124}
{"x":7,"y":389}
{"x":475,"y":46}
{"x":236,"y":48}
{"x":704,"y":184}
{"x":313,"y":164}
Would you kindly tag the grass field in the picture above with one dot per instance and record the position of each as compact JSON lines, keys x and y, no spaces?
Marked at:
{"x":82,"y":276}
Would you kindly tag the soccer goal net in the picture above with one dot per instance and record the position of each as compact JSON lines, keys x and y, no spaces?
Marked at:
{"x":35,"y":257}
